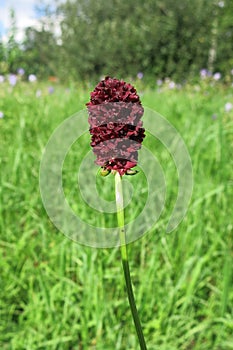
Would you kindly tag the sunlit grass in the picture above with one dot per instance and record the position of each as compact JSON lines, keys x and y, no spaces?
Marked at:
{"x":57,"y":295}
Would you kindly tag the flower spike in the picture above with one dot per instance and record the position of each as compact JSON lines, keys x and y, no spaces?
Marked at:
{"x":116,"y":130}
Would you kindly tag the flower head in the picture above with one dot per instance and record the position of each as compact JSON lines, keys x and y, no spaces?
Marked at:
{"x":1,"y":115}
{"x":172,"y":85}
{"x":50,"y":90}
{"x":217,"y":76}
{"x":32,"y":78}
{"x":12,"y":78}
{"x":228,"y":107}
{"x":140,"y":75}
{"x":21,"y":71}
{"x":115,"y":111}
{"x":204,"y":73}
{"x":221,"y":4}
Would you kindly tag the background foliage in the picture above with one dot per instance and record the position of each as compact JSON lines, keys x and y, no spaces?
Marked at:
{"x":83,"y":39}
{"x":58,"y":295}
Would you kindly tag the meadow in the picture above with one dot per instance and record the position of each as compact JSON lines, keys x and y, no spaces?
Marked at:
{"x":59,"y":295}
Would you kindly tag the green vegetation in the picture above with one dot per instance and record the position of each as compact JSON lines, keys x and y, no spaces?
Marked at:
{"x":58,"y":295}
{"x":82,"y":39}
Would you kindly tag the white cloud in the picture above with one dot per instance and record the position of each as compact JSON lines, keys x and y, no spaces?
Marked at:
{"x":25,"y":15}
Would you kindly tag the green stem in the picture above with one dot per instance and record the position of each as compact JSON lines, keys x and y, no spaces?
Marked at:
{"x":125,"y":262}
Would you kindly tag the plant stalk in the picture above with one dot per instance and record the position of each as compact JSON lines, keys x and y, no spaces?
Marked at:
{"x":125,"y":261}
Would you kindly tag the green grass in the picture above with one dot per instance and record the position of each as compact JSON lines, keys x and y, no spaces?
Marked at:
{"x":58,"y":295}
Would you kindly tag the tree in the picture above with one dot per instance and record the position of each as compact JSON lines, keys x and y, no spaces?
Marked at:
{"x":166,"y":38}
{"x":39,"y":52}
{"x":224,"y":37}
{"x":86,"y":39}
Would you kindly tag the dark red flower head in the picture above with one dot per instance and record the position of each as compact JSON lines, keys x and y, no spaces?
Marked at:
{"x":114,"y":112}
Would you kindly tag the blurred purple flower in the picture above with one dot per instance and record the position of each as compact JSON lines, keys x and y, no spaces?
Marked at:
{"x":140,"y":75}
{"x":50,"y":90}
{"x":1,"y":114}
{"x":12,"y":78}
{"x":21,"y":71}
{"x":204,"y":73}
{"x":2,"y":79}
{"x":172,"y":85}
{"x":217,"y":76}
{"x":159,"y":82}
{"x":214,"y":116}
{"x":32,"y":78}
{"x":228,"y":107}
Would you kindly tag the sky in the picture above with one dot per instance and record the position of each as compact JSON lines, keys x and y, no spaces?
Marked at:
{"x":25,"y":16}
